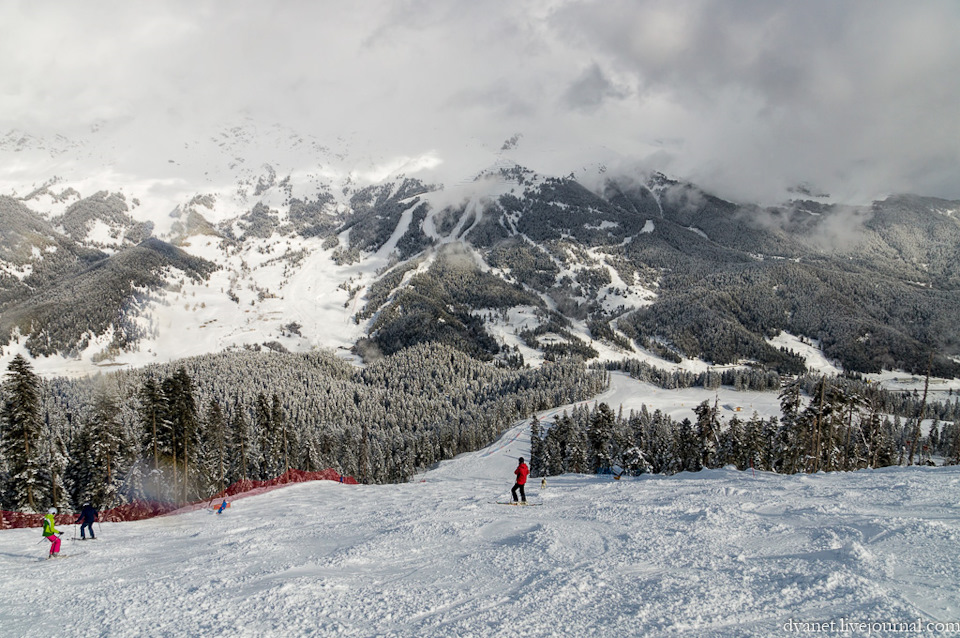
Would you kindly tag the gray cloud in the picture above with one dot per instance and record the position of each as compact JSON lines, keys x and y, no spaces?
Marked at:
{"x":591,"y":89}
{"x":856,"y":98}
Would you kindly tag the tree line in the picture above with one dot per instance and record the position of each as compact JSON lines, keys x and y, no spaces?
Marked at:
{"x":823,"y":426}
{"x":182,"y":432}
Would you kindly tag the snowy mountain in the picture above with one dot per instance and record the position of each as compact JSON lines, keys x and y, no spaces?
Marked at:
{"x":259,"y":237}
{"x":714,"y":553}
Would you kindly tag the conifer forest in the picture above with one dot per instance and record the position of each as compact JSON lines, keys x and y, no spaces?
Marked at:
{"x":184,"y":431}
{"x":181,"y":432}
{"x":837,"y":423}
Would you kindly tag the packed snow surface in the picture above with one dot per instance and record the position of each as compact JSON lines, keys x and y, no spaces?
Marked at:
{"x":716,"y":553}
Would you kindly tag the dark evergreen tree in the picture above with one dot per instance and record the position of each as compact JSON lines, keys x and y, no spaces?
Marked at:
{"x":791,"y":444}
{"x":244,"y":450}
{"x":732,"y":449}
{"x":688,"y":454}
{"x":181,"y":432}
{"x":151,"y":413}
{"x":820,"y":414}
{"x":20,"y":439}
{"x":310,"y":458}
{"x":105,"y":465}
{"x":58,"y":459}
{"x":265,"y":463}
{"x":557,"y":440}
{"x":953,"y":457}
{"x":708,"y":433}
{"x":536,"y":448}
{"x":281,"y":442}
{"x":600,"y":437}
{"x":576,"y":460}
{"x":754,"y":444}
{"x":216,"y":447}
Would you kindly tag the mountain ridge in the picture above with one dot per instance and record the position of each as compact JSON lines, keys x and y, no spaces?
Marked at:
{"x":641,"y":266}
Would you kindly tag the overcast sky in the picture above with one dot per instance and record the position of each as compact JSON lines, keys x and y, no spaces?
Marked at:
{"x":745,"y":98}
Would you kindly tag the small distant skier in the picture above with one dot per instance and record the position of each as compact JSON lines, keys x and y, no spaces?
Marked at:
{"x":87,"y":516}
{"x":543,"y":483}
{"x":222,"y":507}
{"x":522,"y":471}
{"x":51,"y":533}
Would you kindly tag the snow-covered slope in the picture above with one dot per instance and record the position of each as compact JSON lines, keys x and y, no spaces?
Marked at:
{"x":718,"y":553}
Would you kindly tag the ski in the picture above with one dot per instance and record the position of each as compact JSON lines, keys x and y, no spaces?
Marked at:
{"x":517,"y":504}
{"x":61,"y":556}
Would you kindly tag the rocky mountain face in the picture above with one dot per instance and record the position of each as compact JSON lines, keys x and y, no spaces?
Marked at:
{"x":509,"y":265}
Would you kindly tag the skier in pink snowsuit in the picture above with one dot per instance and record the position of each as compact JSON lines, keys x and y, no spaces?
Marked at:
{"x":51,"y":533}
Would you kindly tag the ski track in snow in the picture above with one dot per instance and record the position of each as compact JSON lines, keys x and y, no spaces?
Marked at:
{"x":717,"y":553}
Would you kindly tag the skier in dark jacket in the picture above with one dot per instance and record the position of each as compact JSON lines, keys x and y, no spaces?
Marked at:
{"x":522,"y":471}
{"x":87,"y":516}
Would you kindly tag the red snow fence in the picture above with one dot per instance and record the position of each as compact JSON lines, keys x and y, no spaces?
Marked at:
{"x":139,"y":510}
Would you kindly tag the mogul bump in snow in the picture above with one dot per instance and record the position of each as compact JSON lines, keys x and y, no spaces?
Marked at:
{"x":522,"y":471}
{"x":51,"y":533}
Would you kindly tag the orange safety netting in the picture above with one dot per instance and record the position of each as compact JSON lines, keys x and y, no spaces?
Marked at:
{"x":138,"y":510}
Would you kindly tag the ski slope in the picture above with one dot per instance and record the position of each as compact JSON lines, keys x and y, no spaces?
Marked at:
{"x":717,"y":553}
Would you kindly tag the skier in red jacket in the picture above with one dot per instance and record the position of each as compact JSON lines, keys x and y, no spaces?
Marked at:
{"x":522,"y":471}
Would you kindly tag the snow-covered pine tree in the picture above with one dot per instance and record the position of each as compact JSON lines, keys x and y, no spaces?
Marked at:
{"x":634,"y":462}
{"x":770,"y":437}
{"x":263,"y":465}
{"x":686,"y":450}
{"x":664,"y":443}
{"x":151,"y":407}
{"x":181,"y":430}
{"x":57,"y":459}
{"x":244,"y":449}
{"x":576,"y":460}
{"x":934,"y":435}
{"x":708,"y":433}
{"x":552,"y":458}
{"x":817,"y":414}
{"x":732,"y":447}
{"x":600,"y":437}
{"x":556,"y":443}
{"x":215,"y":461}
{"x":536,"y":448}
{"x":756,"y":443}
{"x":281,"y":442}
{"x":20,"y":440}
{"x":105,"y":463}
{"x":853,"y":452}
{"x":792,"y":440}
{"x":632,"y":457}
{"x":310,"y":458}
{"x":950,"y":440}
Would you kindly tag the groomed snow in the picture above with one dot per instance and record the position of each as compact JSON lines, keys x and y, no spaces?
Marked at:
{"x":717,"y":553}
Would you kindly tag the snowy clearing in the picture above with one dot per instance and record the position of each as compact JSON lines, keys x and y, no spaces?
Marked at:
{"x":717,"y":553}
